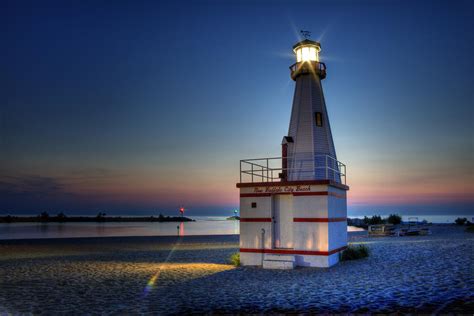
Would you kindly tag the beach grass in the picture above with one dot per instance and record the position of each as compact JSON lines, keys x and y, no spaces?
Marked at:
{"x":235,"y":259}
{"x":353,"y":252}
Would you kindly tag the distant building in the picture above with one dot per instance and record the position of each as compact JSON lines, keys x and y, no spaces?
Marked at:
{"x":293,"y":208}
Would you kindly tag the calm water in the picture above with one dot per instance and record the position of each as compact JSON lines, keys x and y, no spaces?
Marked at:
{"x":202,"y":226}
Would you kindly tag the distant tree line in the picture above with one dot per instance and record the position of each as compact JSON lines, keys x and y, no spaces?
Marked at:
{"x":44,"y":217}
{"x":462,"y":221}
{"x":394,"y":219}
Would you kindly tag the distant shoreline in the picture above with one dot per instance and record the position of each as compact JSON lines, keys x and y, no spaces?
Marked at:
{"x":91,"y":219}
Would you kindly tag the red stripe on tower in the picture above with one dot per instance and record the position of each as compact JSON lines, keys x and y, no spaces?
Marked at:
{"x":256,"y":220}
{"x":319,"y":219}
{"x":293,"y":251}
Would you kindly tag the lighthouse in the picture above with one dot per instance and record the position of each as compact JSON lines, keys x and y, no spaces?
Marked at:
{"x":293,"y":208}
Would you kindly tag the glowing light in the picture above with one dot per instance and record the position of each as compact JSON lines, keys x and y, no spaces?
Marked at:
{"x":197,"y":269}
{"x":298,"y":55}
{"x":191,"y":271}
{"x":307,"y":53}
{"x":312,"y":53}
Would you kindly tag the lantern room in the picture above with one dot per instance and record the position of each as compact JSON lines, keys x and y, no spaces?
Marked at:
{"x":307,"y":50}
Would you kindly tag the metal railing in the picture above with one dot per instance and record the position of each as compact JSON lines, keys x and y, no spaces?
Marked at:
{"x":321,"y":66}
{"x":317,"y":167}
{"x":308,"y":67}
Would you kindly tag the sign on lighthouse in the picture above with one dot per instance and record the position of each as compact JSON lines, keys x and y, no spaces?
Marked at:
{"x":293,"y":209}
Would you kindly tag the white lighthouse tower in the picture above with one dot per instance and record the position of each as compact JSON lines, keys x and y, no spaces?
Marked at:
{"x":294,"y":208}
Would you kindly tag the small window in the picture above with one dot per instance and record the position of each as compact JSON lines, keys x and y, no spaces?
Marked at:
{"x":319,"y":119}
{"x":254,"y":204}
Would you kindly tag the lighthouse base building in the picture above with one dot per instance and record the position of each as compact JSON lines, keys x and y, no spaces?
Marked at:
{"x":293,"y":209}
{"x":288,"y":224}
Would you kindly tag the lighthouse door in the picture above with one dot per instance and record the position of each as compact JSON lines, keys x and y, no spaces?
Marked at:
{"x":282,"y":221}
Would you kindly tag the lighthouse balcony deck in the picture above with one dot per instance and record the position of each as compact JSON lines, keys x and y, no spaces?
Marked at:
{"x":308,"y":67}
{"x":285,"y":169}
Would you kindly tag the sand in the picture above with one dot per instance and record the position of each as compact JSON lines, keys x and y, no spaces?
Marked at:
{"x":171,"y":275}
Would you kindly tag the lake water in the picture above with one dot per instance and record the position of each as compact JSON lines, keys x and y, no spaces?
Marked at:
{"x":202,"y":226}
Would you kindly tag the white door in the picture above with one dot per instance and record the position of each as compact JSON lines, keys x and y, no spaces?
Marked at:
{"x":282,"y":218}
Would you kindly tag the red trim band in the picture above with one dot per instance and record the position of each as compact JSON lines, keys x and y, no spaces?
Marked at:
{"x":319,"y":219}
{"x":293,"y":252}
{"x":254,"y":194}
{"x":298,"y":219}
{"x":281,"y":193}
{"x":319,"y":193}
{"x":256,"y":219}
{"x":311,"y":193}
{"x":293,"y":193}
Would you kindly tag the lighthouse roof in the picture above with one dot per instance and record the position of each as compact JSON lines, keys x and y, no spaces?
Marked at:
{"x":307,"y":42}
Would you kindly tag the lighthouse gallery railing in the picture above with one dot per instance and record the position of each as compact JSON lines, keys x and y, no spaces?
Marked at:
{"x":272,"y":170}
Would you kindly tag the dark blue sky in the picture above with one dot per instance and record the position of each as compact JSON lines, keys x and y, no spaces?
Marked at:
{"x":147,"y":105}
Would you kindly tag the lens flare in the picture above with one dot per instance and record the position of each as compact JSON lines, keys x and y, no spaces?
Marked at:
{"x":151,"y":283}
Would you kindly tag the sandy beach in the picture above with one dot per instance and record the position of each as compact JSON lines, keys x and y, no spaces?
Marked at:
{"x":172,"y":275}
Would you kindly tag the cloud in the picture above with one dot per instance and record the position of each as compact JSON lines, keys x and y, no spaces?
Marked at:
{"x":33,"y":192}
{"x":77,"y":191}
{"x":88,"y":191}
{"x":29,"y":184}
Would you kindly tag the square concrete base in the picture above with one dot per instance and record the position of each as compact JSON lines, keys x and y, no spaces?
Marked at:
{"x":275,"y":261}
{"x":258,"y":259}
